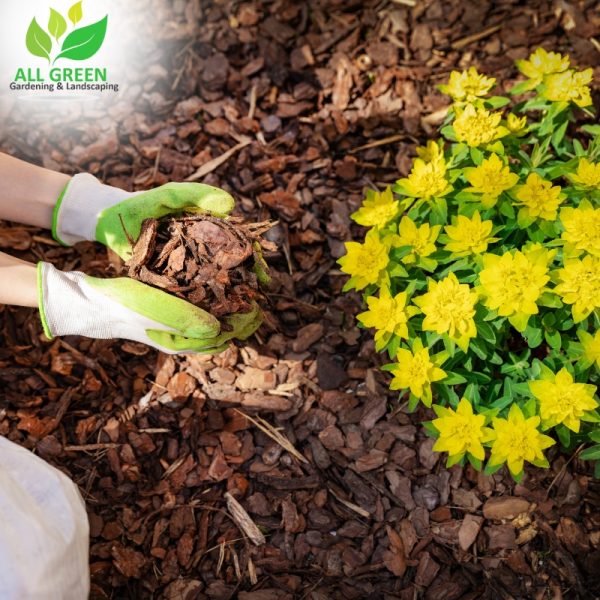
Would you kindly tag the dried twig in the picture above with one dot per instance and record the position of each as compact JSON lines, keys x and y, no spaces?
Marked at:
{"x":211,"y":165}
{"x":383,"y":141}
{"x":243,"y":520}
{"x":357,"y":509}
{"x":275,"y":435}
{"x":561,"y":473}
{"x":91,"y":447}
{"x":462,"y":43}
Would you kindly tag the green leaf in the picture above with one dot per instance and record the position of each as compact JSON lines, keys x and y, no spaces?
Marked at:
{"x":501,"y":403}
{"x":478,"y":348}
{"x":486,"y":332}
{"x":413,"y":402}
{"x":594,"y":436}
{"x":530,"y":408}
{"x":454,"y":379}
{"x":497,"y":101}
{"x":430,"y":429}
{"x":549,"y":300}
{"x":397,"y":270}
{"x":491,"y":469}
{"x":591,"y":453}
{"x":439,"y":212}
{"x":38,"y":41}
{"x":76,"y":13}
{"x":579,"y":150}
{"x":523,"y":219}
{"x":477,"y":464}
{"x":83,"y":43}
{"x":428,"y":264}
{"x":448,"y":133}
{"x":476,"y":156}
{"x":56,"y":24}
{"x":564,"y":435}
{"x":533,"y":335}
{"x":559,"y":134}
{"x":497,"y":147}
{"x":520,"y":88}
{"x":591,"y":417}
{"x":509,"y":388}
{"x":553,"y":339}
{"x":507,"y":210}
{"x":522,"y":389}
{"x":591,"y":129}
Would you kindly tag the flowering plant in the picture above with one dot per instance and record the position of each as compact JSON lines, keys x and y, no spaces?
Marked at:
{"x":481,"y":270}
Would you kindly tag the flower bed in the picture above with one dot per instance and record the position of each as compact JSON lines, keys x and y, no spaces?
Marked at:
{"x":481,"y":270}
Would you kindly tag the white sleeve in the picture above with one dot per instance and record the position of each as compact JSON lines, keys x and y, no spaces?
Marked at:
{"x":44,"y":531}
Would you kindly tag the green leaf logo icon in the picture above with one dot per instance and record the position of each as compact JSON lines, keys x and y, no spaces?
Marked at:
{"x":76,"y":13}
{"x":84,"y":42}
{"x":56,"y":25}
{"x":38,"y":41}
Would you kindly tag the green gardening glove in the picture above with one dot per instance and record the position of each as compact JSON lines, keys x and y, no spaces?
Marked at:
{"x":90,"y":210}
{"x":72,"y":303}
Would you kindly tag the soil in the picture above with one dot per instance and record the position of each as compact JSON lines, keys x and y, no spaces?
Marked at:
{"x":286,"y":468}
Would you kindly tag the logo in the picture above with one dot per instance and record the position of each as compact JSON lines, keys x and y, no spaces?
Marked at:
{"x":80,"y":44}
{"x":63,"y":41}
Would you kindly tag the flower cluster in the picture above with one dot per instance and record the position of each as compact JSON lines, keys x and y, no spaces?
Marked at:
{"x":481,"y":270}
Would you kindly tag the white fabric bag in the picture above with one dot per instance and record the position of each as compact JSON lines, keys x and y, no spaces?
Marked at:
{"x":44,"y":531}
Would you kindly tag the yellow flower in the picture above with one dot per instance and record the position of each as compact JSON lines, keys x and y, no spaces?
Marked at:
{"x":562,"y":400}
{"x":377,"y":209}
{"x":516,"y":124}
{"x":469,"y":236}
{"x":542,"y":63}
{"x":540,"y":199}
{"x":432,"y":152}
{"x":580,"y":285}
{"x":477,"y":126}
{"x":415,"y":370}
{"x":490,"y":179}
{"x":587,"y":175}
{"x":512,"y":283}
{"x":590,"y":345}
{"x":517,"y":440}
{"x":426,"y":180}
{"x":420,"y":239}
{"x":570,"y":86}
{"x":449,"y":307}
{"x":582,"y":229}
{"x":468,"y":85}
{"x":460,"y":432}
{"x":388,"y":315}
{"x":365,"y":263}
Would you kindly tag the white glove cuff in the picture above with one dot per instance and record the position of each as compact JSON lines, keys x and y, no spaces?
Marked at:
{"x":77,"y":210}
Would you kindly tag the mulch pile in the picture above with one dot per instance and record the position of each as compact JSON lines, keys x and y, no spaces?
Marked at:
{"x":284,"y":469}
{"x":205,"y":260}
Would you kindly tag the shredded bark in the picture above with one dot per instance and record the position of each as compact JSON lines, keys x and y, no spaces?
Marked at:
{"x":205,"y":260}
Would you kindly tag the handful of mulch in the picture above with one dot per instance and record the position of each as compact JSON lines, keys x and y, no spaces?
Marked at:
{"x":214,"y":263}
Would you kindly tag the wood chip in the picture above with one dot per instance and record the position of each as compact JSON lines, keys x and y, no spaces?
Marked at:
{"x":243,"y":520}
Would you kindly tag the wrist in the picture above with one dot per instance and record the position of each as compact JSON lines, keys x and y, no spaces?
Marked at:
{"x":18,"y":282}
{"x":78,"y":208}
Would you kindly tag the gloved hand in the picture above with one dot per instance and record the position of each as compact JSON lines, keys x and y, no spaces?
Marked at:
{"x":72,"y":303}
{"x":90,"y":210}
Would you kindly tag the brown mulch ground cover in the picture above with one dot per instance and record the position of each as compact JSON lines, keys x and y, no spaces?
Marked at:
{"x":294,"y":107}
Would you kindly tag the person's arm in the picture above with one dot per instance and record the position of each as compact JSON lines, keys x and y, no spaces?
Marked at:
{"x":18,"y":282}
{"x":29,"y":193}
{"x":81,"y":208}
